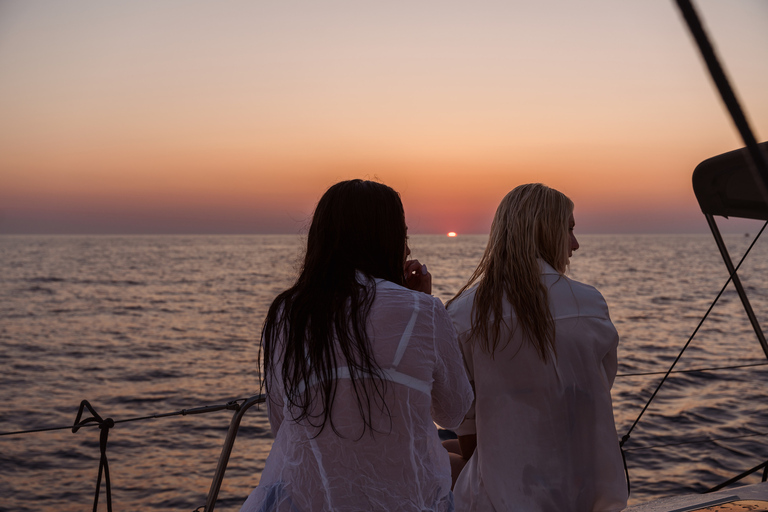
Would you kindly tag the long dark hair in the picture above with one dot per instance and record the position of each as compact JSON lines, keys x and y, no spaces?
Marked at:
{"x":320,"y":322}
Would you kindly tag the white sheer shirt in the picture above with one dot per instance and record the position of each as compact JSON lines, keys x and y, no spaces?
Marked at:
{"x":546,"y":439}
{"x":401,"y":466}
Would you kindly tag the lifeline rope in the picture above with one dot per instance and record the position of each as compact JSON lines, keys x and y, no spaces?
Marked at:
{"x":106,"y":424}
{"x":695,"y":370}
{"x":700,"y":441}
{"x":231,"y":405}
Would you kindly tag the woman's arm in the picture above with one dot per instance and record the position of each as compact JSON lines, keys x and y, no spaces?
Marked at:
{"x":451,"y":392}
{"x":467,"y":445}
{"x":274,"y":390}
{"x":275,"y":414}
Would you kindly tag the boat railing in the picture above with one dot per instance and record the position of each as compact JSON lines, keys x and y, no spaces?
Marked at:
{"x":226,"y":451}
{"x":240,"y":406}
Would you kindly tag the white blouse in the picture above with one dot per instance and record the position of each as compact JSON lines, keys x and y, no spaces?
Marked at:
{"x":400,"y":466}
{"x":546,"y":439}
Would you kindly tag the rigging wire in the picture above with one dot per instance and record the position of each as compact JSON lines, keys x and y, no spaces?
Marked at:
{"x":763,"y":466}
{"x":759,"y":169}
{"x":727,"y":94}
{"x":696,"y":330}
{"x":626,"y":436}
{"x":759,"y":160}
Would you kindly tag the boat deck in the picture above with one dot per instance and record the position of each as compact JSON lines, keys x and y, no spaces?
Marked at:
{"x":709,"y":502}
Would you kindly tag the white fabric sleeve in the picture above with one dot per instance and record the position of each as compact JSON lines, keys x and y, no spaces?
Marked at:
{"x":275,"y":402}
{"x":611,"y":365}
{"x":611,"y":359}
{"x":451,"y":392}
{"x":467,"y":426}
{"x":275,"y":414}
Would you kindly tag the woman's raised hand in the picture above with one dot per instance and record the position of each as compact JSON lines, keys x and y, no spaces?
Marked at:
{"x":417,"y":277}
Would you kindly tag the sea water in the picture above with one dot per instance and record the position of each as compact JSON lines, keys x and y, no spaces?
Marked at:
{"x":144,"y":325}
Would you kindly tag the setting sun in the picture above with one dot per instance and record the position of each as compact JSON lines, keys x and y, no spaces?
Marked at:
{"x":452,"y":234}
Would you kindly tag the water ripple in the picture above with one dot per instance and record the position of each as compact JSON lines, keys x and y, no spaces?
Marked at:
{"x":148,"y":325}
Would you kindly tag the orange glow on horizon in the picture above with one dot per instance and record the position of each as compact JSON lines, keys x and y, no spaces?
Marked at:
{"x":452,"y":234}
{"x":238,"y":120}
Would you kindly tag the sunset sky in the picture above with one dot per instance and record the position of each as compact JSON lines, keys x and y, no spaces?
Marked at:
{"x":182,"y":116}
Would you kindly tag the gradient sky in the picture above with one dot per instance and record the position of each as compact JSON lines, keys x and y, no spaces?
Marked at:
{"x":182,"y":116}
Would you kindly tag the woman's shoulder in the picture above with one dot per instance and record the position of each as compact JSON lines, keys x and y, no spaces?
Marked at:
{"x":397,"y":294}
{"x":587,"y":298}
{"x":463,"y":301}
{"x":460,"y":310}
{"x":585,"y":290}
{"x":394,"y":304}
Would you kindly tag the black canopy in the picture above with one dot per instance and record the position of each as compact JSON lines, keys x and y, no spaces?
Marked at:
{"x":724,"y":185}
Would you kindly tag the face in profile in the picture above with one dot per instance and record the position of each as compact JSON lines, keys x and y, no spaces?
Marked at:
{"x":407,"y":249}
{"x":573,"y":244}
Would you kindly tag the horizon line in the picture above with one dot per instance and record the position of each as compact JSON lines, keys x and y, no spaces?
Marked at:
{"x":457,"y":235}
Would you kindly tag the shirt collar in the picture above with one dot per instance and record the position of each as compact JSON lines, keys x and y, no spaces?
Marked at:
{"x":546,"y":268}
{"x":365,"y":279}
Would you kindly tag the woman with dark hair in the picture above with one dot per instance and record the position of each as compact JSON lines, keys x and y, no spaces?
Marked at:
{"x":541,"y":352}
{"x":358,"y":361}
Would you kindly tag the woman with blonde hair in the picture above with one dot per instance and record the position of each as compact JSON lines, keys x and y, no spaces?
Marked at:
{"x":540,"y":350}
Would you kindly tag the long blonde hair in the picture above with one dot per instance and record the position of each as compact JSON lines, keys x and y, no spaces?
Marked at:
{"x":530,"y":223}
